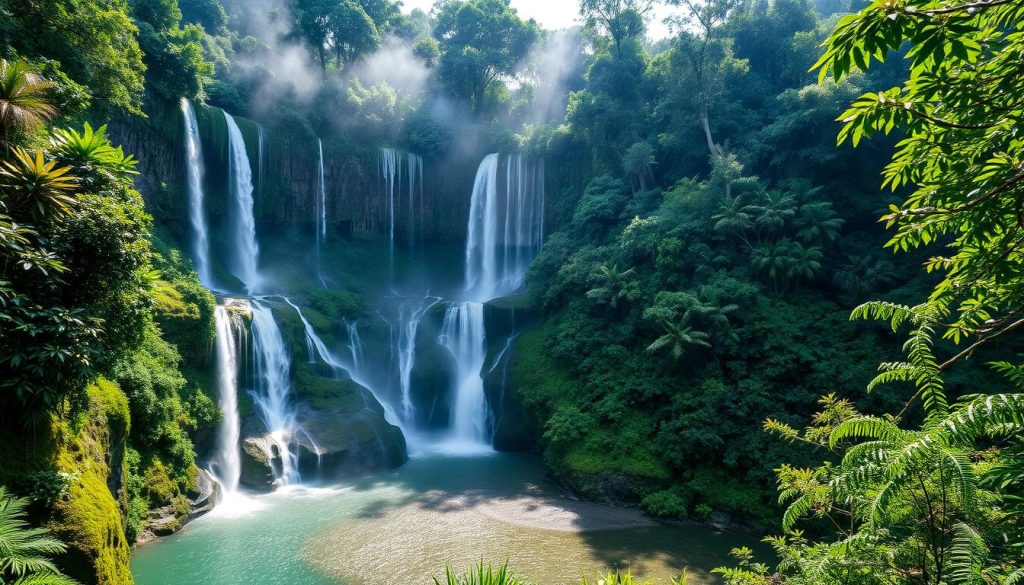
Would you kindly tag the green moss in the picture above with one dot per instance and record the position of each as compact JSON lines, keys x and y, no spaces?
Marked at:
{"x":324,"y":392}
{"x":170,"y":303}
{"x":89,"y":520}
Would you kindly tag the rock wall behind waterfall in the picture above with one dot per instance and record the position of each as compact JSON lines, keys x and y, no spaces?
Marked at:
{"x":287,"y":194}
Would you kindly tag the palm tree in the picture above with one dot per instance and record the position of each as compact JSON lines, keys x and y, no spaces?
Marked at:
{"x":734,"y":217}
{"x":773,"y":209}
{"x":24,"y":551}
{"x":638,"y":162}
{"x":817,"y":223}
{"x":805,"y":261}
{"x":774,"y":259}
{"x":678,"y":337}
{"x":862,"y":274}
{"x":613,"y":285}
{"x":24,"y":104}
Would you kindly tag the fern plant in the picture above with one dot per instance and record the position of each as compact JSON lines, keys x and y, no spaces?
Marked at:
{"x":24,"y":551}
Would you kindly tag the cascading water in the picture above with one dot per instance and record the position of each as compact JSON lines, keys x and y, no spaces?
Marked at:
{"x":226,"y":466}
{"x":317,"y":346}
{"x":391,"y":170}
{"x":403,"y":348}
{"x":414,"y":165}
{"x":357,"y":349}
{"x":464,"y":336}
{"x":272,"y":378}
{"x":246,"y":252}
{"x":321,"y":217}
{"x":506,"y":227}
{"x":197,"y":216}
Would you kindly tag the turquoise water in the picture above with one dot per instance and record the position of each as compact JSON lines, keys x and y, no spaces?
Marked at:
{"x":404,"y":526}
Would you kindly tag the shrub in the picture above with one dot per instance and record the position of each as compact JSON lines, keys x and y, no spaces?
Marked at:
{"x":702,"y":512}
{"x":670,"y":503}
{"x":481,"y":575}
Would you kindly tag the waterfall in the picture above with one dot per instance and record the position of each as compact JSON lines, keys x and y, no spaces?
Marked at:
{"x":197,"y":216}
{"x":357,"y":349}
{"x":414,"y":165}
{"x":403,"y":349}
{"x":261,"y":161}
{"x":506,"y":226}
{"x":272,"y":373}
{"x":317,"y":346}
{"x":463,"y":334}
{"x":246,"y":251}
{"x":321,"y":218}
{"x":226,"y":466}
{"x":391,"y":170}
{"x":390,"y":173}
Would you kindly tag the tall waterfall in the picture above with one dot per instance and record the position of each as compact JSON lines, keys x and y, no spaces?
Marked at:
{"x":321,"y":217}
{"x":226,"y":466}
{"x":464,"y":336}
{"x":272,"y":373}
{"x":391,"y":170}
{"x":197,"y":215}
{"x":246,"y":252}
{"x":506,"y":225}
{"x":261,"y":157}
{"x":414,"y":165}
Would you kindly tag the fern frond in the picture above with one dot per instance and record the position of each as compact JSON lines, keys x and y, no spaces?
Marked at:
{"x":866,"y":427}
{"x":967,"y":555}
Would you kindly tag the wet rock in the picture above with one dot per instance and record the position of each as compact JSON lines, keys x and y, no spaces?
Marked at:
{"x":335,"y":443}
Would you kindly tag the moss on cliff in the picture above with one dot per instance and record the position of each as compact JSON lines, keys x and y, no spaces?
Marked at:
{"x":89,"y":519}
{"x":599,"y":454}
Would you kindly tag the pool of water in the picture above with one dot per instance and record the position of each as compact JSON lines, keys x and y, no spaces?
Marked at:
{"x":405,"y":526}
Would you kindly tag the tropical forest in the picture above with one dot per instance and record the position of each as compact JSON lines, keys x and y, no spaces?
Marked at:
{"x":512,"y":292}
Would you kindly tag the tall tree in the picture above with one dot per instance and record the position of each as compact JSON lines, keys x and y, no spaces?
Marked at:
{"x":619,"y":19}
{"x":708,"y":53}
{"x":481,"y":42}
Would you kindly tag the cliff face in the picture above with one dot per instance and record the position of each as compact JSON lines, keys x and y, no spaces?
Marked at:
{"x":286,"y":179}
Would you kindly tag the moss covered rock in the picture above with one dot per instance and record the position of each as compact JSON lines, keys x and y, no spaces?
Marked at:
{"x":89,"y":520}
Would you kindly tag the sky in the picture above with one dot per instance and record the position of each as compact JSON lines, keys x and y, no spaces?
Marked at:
{"x":556,"y":14}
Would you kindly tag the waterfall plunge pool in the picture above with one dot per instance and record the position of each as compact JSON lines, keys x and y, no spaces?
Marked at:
{"x":404,"y":526}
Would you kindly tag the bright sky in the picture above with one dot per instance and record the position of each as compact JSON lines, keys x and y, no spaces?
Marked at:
{"x":556,"y":14}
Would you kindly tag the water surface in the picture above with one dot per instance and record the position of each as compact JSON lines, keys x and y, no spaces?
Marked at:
{"x":404,"y":526}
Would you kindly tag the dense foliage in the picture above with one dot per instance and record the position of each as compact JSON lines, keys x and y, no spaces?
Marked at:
{"x":709,"y":241}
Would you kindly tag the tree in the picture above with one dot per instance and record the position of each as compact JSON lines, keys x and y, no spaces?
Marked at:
{"x":934,"y":501}
{"x":481,"y":42}
{"x":352,"y":32}
{"x":619,"y":19}
{"x":97,"y":48}
{"x":678,"y":337}
{"x":817,"y":222}
{"x":638,"y":164}
{"x":312,"y":23}
{"x":24,"y":104}
{"x":173,"y":55}
{"x":958,"y":158}
{"x":25,"y":552}
{"x":613,"y":285}
{"x":709,"y":55}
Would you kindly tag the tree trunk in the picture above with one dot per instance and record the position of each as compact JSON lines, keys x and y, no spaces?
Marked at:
{"x":706,"y":125}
